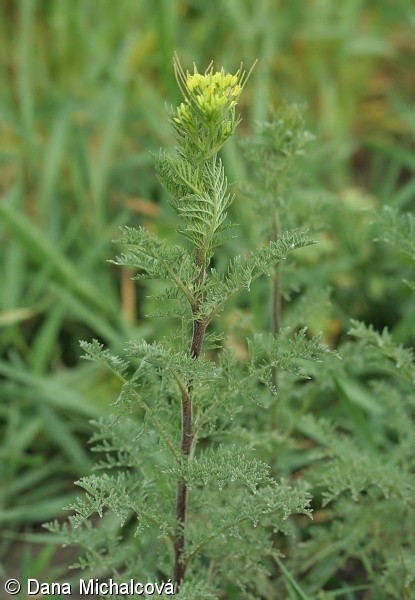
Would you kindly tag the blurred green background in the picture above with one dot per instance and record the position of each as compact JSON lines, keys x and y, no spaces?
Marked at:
{"x":84,"y":86}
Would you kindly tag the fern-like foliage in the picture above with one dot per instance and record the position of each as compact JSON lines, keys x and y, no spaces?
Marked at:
{"x":286,"y":352}
{"x":273,"y":155}
{"x":177,"y":493}
{"x":396,"y":355}
{"x":364,"y":470}
{"x":200,"y":197}
{"x":242,"y":271}
{"x":398,"y":230}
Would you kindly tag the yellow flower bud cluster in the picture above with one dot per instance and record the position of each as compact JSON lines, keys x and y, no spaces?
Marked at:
{"x":214,"y":82}
{"x":183,"y":114}
{"x":212,"y":93}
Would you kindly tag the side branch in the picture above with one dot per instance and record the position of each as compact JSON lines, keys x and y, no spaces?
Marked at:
{"x":276,"y":296}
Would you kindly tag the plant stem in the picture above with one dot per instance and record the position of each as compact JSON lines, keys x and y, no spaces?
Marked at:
{"x":276,"y":297}
{"x":187,"y":442}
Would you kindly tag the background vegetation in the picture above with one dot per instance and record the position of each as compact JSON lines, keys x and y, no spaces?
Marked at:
{"x":83,"y":90}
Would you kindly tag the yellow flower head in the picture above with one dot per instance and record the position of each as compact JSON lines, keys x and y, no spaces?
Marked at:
{"x":213,"y":93}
